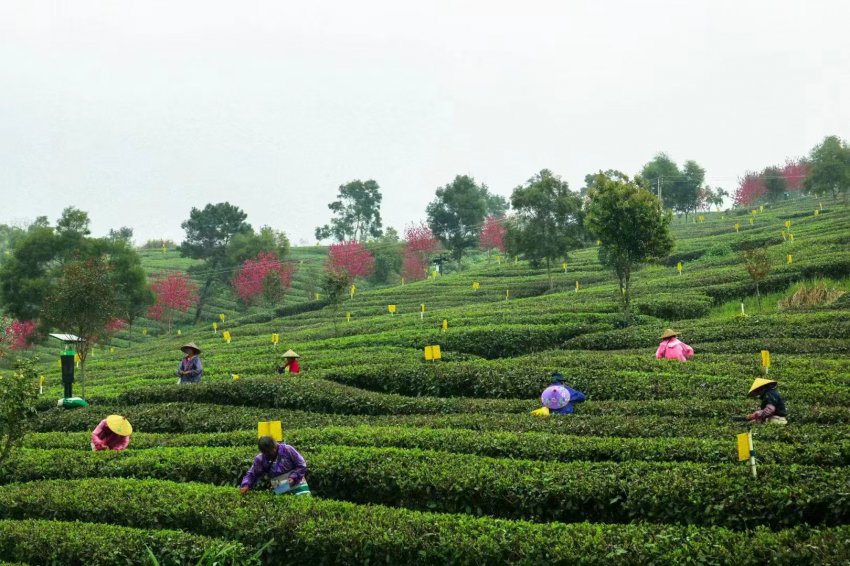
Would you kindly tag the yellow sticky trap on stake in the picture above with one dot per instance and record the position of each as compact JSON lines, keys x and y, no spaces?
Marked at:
{"x":445,"y":325}
{"x":270,"y":428}
{"x":77,"y":360}
{"x":737,"y":227}
{"x":221,"y":317}
{"x":701,"y":218}
{"x":753,"y":212}
{"x":215,"y":327}
{"x":679,"y":267}
{"x":743,"y":446}
{"x":41,"y":382}
{"x":476,"y":285}
{"x":179,"y":332}
{"x":790,"y":259}
{"x":765,"y":360}
{"x":788,"y":224}
{"x":391,"y":309}
{"x":144,"y":331}
{"x":275,"y":339}
{"x":226,"y":336}
{"x":353,"y":290}
{"x":435,"y":273}
{"x":318,"y":296}
{"x":564,"y":265}
{"x":790,"y":236}
{"x":784,"y":237}
{"x":507,"y":294}
{"x":598,"y":242}
{"x":111,"y":349}
{"x":433,"y":353}
{"x":235,"y":376}
{"x":761,"y":208}
{"x":578,"y":286}
{"x":348,"y":316}
{"x":817,"y":212}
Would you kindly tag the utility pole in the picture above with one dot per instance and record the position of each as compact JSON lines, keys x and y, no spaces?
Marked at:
{"x":659,"y":192}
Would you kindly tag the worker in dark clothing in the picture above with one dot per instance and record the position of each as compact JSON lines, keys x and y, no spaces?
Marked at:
{"x":773,"y":409}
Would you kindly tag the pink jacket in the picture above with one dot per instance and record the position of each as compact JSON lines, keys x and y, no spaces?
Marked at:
{"x":674,"y":349}
{"x":104,"y":439}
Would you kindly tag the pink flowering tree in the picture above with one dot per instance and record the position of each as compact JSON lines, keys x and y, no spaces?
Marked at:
{"x":492,"y":235}
{"x":263,"y":278}
{"x":350,"y":258}
{"x":750,"y":189}
{"x":420,"y":244}
{"x":173,"y":294}
{"x":795,"y":173}
{"x":16,"y":334}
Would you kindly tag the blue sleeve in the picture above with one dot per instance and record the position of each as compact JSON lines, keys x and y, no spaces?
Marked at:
{"x":179,"y":365}
{"x":576,"y":396}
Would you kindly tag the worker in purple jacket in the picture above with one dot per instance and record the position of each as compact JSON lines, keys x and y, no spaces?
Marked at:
{"x":576,"y":396}
{"x":282,"y":463}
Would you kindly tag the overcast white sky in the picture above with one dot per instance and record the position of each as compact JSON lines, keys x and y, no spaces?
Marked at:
{"x":135,"y":111}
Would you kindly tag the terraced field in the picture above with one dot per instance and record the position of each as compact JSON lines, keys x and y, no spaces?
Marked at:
{"x":441,"y":462}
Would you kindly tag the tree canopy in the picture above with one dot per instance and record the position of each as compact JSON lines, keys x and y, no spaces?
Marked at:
{"x":457,"y":213}
{"x":357,"y":213}
{"x":632,"y":230}
{"x":680,"y":188}
{"x":829,"y":168}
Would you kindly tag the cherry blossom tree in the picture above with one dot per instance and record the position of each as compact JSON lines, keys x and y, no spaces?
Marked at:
{"x":351,"y":258}
{"x":750,"y":189}
{"x":16,"y":334}
{"x":420,"y":243}
{"x":492,"y":235}
{"x":795,"y":173}
{"x":173,"y":293}
{"x":263,"y":278}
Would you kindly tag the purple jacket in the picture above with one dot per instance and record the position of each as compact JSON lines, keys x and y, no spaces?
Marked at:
{"x":194,"y":367}
{"x":288,"y":461}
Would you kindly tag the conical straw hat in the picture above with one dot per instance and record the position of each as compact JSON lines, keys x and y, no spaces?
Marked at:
{"x":758,"y":384}
{"x":669,"y":333}
{"x":190,"y":345}
{"x":290,"y":354}
{"x":119,"y":425}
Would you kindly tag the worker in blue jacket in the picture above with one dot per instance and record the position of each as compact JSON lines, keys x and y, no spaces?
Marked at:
{"x":576,"y":396}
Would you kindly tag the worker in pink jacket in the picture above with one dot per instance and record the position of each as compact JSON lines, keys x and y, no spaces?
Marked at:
{"x":112,"y":433}
{"x":671,"y":348}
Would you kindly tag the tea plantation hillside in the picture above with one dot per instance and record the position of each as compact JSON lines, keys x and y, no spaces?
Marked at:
{"x":428,"y":462}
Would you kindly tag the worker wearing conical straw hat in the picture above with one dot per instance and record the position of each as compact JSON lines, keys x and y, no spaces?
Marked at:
{"x":773,"y":409}
{"x":190,"y":369}
{"x":290,"y":363}
{"x":671,"y":348}
{"x":113,"y":433}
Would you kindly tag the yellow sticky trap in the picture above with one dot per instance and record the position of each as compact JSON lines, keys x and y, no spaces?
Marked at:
{"x":391,"y":309}
{"x":435,"y":273}
{"x":744,"y":446}
{"x":476,"y":285}
{"x":445,"y":325}
{"x":221,"y":317}
{"x":226,"y":336}
{"x":765,"y":359}
{"x":701,"y":218}
{"x":507,"y":294}
{"x":422,"y":307}
{"x":761,"y":208}
{"x":790,"y":259}
{"x":790,"y":236}
{"x":737,"y":227}
{"x":111,"y":349}
{"x":235,"y":376}
{"x":578,"y":286}
{"x":598,"y":242}
{"x":215,"y":327}
{"x":318,"y":296}
{"x":564,"y":266}
{"x":751,"y":220}
{"x":433,"y":352}
{"x":179,"y":332}
{"x":144,"y":331}
{"x":41,"y":380}
{"x":275,"y":338}
{"x":679,"y":267}
{"x":753,"y":212}
{"x":817,"y":212}
{"x":353,"y":290}
{"x":499,"y":259}
{"x":788,"y":224}
{"x":270,"y":428}
{"x":541,"y":412}
{"x":784,"y":237}
{"x":348,"y":316}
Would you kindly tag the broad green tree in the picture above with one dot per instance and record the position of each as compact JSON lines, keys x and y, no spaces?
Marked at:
{"x":829,"y":168}
{"x":680,"y":188}
{"x":250,"y":244}
{"x":18,"y":397}
{"x":457,"y":214}
{"x":632,"y":229}
{"x":774,"y":182}
{"x":83,"y":302}
{"x":758,"y":267}
{"x":548,"y":220}
{"x":357,"y":213}
{"x":208,"y":233}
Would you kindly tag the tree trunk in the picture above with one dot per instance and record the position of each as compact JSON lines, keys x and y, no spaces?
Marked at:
{"x":202,"y":299}
{"x":758,"y":296}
